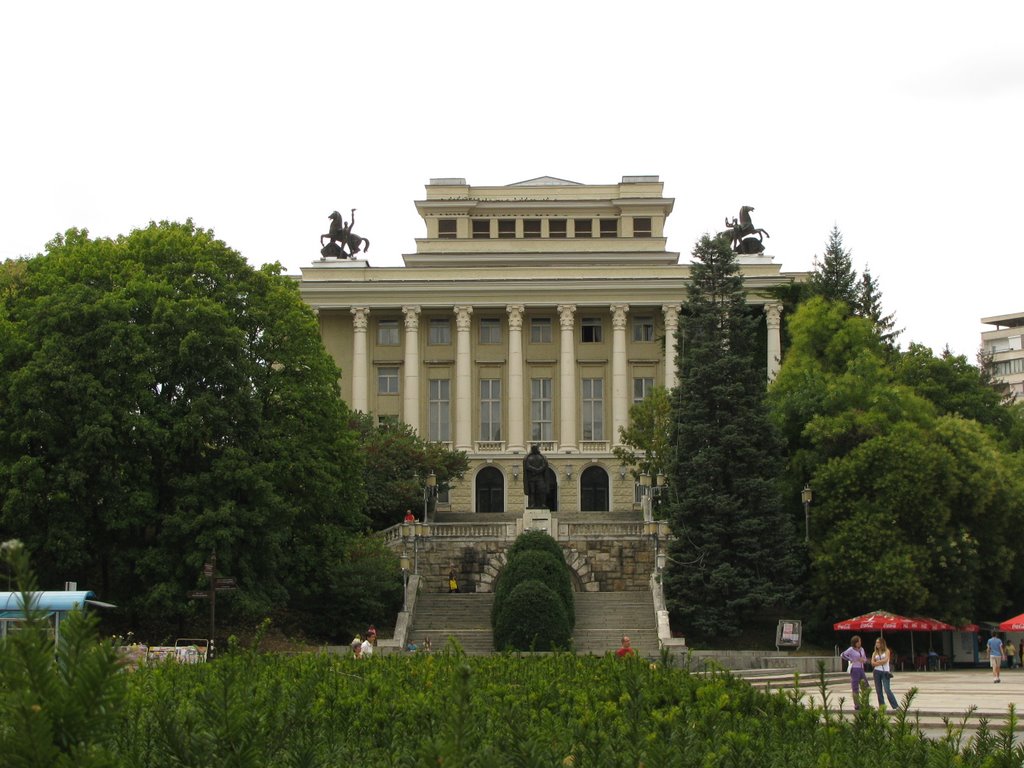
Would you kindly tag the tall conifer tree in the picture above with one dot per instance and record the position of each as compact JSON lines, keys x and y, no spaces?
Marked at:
{"x":733,"y":549}
{"x":834,"y":277}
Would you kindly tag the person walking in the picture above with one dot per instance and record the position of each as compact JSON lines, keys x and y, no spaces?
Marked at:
{"x":881,"y":670}
{"x":856,"y":658}
{"x":453,"y":581}
{"x":1011,"y":653}
{"x":995,"y":656}
{"x":626,"y":649}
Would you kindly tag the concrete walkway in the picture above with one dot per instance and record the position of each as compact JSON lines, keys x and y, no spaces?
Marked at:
{"x":950,"y":694}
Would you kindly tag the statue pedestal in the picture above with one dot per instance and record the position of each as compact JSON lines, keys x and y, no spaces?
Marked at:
{"x":538,"y":520}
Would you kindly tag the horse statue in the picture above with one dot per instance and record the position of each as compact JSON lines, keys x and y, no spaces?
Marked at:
{"x":740,"y":233}
{"x":340,"y":236}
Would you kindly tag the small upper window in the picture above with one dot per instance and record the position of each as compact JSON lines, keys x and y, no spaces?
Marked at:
{"x":609,"y":228}
{"x":387,"y":333}
{"x":556,"y":228}
{"x":540,"y":330}
{"x":643,"y":328}
{"x":591,"y":330}
{"x":506,"y":228}
{"x":446,"y":229}
{"x":490,"y":330}
{"x":584,"y":228}
{"x":531,"y":227}
{"x":642,"y":227}
{"x":440,"y":331}
{"x":481,"y":228}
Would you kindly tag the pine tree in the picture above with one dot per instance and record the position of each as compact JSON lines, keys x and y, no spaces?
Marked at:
{"x":733,"y":548}
{"x":869,"y":306}
{"x":834,"y":277}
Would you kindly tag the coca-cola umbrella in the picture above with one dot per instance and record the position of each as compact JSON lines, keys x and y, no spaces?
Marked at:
{"x":880,"y":621}
{"x":1016,"y":624}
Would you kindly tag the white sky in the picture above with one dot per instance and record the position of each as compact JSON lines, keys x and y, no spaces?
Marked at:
{"x":900,"y":122}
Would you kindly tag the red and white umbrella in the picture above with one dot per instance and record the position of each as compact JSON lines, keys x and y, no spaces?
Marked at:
{"x":879,"y":621}
{"x":1016,"y":624}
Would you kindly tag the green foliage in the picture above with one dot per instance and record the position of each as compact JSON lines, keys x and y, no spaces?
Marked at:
{"x":732,"y":552}
{"x":534,"y":540}
{"x":396,"y":461}
{"x":58,"y":703}
{"x":532,"y":617}
{"x":530,"y":564}
{"x":834,"y":278}
{"x":160,"y":398}
{"x":646,"y":443}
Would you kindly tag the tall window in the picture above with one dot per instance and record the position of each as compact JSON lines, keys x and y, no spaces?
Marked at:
{"x":643,"y":328}
{"x":440,"y":331}
{"x":446,"y":229}
{"x":506,"y":228}
{"x":481,"y":229}
{"x":387,"y":333}
{"x":642,"y":388}
{"x":540,"y":330}
{"x":590,"y":329}
{"x":490,"y":409}
{"x":387,"y":381}
{"x":541,"y":410}
{"x":490,"y":330}
{"x":584,"y":228}
{"x":592,"y":403}
{"x":556,"y":228}
{"x":439,"y":410}
{"x":609,"y":228}
{"x":641,"y":227}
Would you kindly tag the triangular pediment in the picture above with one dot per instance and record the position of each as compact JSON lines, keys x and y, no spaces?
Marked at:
{"x":545,"y":181}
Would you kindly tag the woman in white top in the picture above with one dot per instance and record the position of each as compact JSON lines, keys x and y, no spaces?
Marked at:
{"x":880,"y":661}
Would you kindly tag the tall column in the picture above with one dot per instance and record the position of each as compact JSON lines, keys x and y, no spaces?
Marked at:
{"x":516,"y":423}
{"x":411,"y":382}
{"x":463,"y":381}
{"x":360,"y":361}
{"x":773,"y":313}
{"x":620,"y":375}
{"x":671,"y":312}
{"x":567,"y":379}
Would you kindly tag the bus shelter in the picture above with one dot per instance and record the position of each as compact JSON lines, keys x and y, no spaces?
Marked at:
{"x":56,"y":606}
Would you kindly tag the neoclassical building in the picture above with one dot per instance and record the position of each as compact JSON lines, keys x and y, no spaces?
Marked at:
{"x":532,"y":313}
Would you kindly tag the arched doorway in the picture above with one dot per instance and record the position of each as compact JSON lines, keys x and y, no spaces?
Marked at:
{"x":593,"y":490}
{"x":490,"y":490}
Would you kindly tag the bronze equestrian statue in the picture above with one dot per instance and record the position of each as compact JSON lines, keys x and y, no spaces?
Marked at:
{"x":741,"y":233}
{"x":341,"y":237}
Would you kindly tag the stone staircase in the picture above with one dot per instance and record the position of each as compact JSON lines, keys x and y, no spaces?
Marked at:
{"x":602,"y":618}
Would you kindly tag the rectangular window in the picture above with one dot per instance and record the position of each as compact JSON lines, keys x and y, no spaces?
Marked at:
{"x":584,"y":228}
{"x":592,"y":404}
{"x":643,"y":328}
{"x":642,"y":388}
{"x":439,"y":410}
{"x":506,"y":228}
{"x":609,"y":228}
{"x":556,"y":228}
{"x":531,"y":227}
{"x":541,"y":410}
{"x":446,"y":229}
{"x":490,"y":409}
{"x":481,"y":229}
{"x":387,"y":333}
{"x":387,"y":381}
{"x":440,"y":331}
{"x":641,"y":227}
{"x":490,"y":330}
{"x":540,"y":330}
{"x":590,"y":327}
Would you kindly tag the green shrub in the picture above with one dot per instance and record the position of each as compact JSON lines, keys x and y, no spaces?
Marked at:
{"x":540,"y":565}
{"x":532,"y":618}
{"x":531,"y":540}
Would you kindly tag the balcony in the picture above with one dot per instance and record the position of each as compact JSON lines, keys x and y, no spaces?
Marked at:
{"x":489,"y":446}
{"x":593,"y":446}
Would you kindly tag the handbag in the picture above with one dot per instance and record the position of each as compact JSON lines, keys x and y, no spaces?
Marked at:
{"x":889,"y":675}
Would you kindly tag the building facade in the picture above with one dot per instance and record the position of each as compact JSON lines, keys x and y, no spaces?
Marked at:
{"x":532,"y":313}
{"x":1004,"y":346}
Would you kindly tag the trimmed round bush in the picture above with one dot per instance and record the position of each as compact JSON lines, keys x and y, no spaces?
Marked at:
{"x":532,"y":618}
{"x":530,"y":540}
{"x":544,"y":567}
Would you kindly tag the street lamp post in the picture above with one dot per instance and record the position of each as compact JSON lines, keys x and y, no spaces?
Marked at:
{"x":429,"y":492}
{"x":806,"y":496}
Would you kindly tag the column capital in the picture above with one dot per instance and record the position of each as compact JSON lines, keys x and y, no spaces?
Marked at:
{"x":774,"y":314}
{"x":671,"y":312}
{"x":462,"y":316}
{"x":515,"y":316}
{"x":411,"y":312}
{"x":359,"y":319}
{"x":619,"y":315}
{"x":565,"y":315}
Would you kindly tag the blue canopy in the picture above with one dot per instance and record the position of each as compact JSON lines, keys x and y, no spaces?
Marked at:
{"x":11,"y":606}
